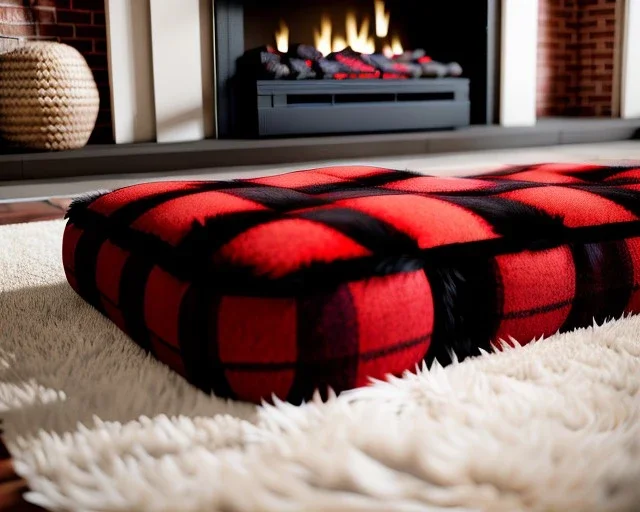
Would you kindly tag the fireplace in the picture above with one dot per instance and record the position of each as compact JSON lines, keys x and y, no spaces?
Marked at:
{"x":364,"y":66}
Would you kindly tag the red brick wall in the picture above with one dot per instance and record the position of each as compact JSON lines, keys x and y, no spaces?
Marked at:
{"x":557,"y":57}
{"x":597,"y":19}
{"x":576,"y":53}
{"x":79,"y":23}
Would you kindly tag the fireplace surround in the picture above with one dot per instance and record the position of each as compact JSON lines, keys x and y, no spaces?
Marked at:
{"x":464,"y":32}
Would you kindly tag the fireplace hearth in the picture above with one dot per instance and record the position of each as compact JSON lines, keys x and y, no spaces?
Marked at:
{"x":353,"y":66}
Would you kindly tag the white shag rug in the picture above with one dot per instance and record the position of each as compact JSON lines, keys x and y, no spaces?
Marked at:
{"x":94,"y":424}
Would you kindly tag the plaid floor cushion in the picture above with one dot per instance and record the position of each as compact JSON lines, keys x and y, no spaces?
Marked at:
{"x":330,"y":277}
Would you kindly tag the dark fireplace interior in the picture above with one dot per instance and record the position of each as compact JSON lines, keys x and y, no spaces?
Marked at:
{"x":442,"y":29}
{"x":455,"y":31}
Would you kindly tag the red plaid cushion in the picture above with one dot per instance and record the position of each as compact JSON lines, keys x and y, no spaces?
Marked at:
{"x":330,"y":277}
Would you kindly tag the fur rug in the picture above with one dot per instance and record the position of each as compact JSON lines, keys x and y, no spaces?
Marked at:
{"x":94,"y":424}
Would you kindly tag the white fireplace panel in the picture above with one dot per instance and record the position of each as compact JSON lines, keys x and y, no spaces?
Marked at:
{"x":130,"y":71}
{"x":518,"y":61}
{"x":177,"y":70}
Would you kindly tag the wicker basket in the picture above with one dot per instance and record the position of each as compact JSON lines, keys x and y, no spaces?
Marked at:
{"x":48,"y":97}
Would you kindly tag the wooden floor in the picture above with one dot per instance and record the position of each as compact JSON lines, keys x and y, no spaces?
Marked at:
{"x":33,"y":211}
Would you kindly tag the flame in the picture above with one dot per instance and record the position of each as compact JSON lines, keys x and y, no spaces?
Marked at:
{"x":282,"y":38}
{"x":339,"y":44}
{"x":396,"y":46}
{"x":357,"y":36}
{"x":359,"y":39}
{"x":382,"y":19}
{"x":323,"y":37}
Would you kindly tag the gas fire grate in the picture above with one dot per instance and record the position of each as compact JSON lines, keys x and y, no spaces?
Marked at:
{"x":285,"y":107}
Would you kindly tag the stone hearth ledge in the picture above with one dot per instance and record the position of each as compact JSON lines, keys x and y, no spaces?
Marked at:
{"x":212,"y":154}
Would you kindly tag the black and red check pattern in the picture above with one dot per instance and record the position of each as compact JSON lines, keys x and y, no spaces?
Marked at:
{"x":329,"y":277}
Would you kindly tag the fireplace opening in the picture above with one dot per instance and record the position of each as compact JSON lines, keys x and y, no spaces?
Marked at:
{"x":353,"y":66}
{"x":380,"y":27}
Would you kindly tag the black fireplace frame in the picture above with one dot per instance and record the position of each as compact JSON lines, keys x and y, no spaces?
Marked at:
{"x":229,"y":46}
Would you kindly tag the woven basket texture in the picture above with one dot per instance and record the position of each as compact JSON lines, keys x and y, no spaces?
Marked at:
{"x":48,"y":97}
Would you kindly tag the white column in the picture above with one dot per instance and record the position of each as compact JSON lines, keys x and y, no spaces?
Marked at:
{"x":177,"y":70}
{"x":518,"y":62}
{"x":630,"y":82}
{"x":130,"y":71}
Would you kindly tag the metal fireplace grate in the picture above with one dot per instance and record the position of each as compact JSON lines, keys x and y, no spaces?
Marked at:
{"x":287,"y":107}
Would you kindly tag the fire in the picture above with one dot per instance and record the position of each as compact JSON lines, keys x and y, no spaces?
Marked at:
{"x":339,"y":44}
{"x":382,"y":19}
{"x":323,"y":37}
{"x":282,"y":38}
{"x":358,"y":38}
{"x":357,"y":35}
{"x":395,"y":48}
